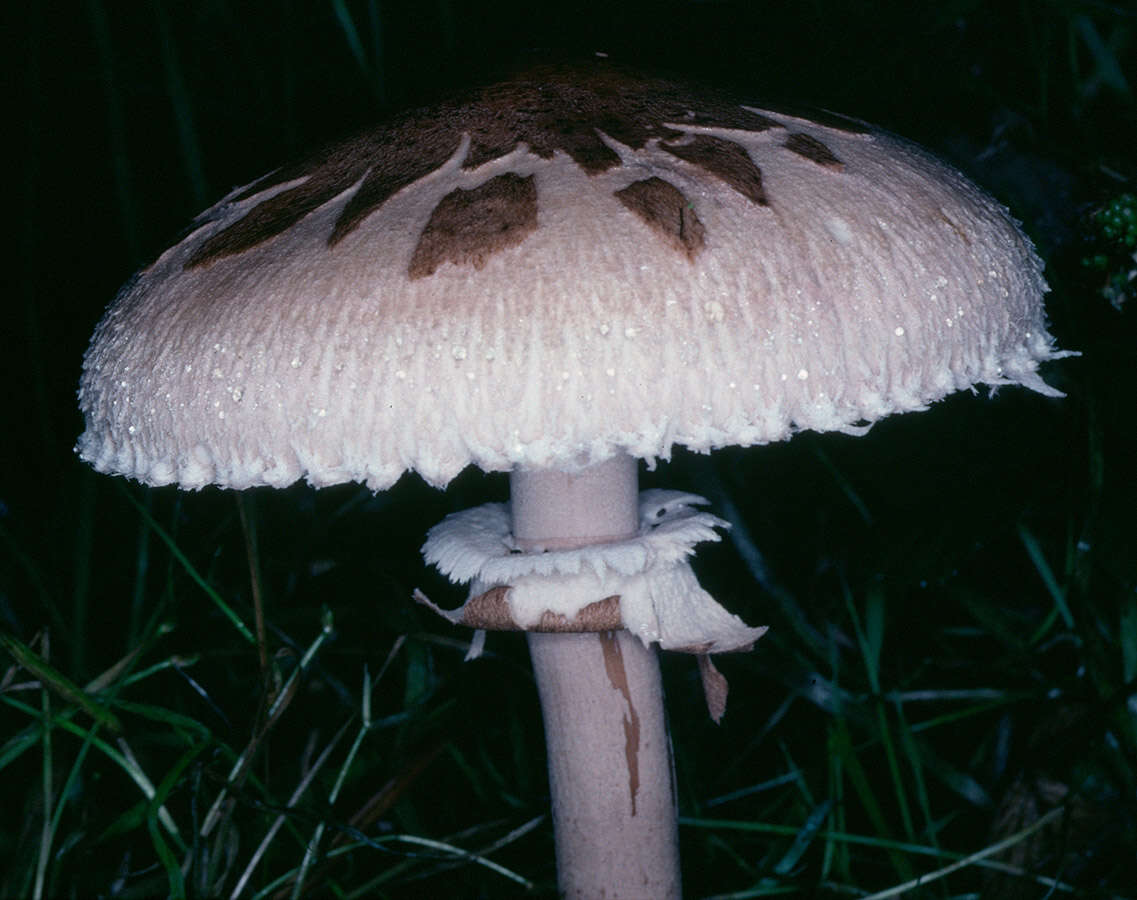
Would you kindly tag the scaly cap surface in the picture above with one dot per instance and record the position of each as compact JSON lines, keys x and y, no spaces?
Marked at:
{"x":571,"y":264}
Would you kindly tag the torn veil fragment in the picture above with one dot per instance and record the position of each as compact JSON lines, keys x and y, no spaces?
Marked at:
{"x":644,"y":584}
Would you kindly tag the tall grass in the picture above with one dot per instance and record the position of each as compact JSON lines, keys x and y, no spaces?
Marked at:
{"x":219,"y":695}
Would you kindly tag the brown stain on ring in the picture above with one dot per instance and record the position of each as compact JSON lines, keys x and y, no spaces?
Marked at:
{"x":490,"y":611}
{"x":618,"y":677}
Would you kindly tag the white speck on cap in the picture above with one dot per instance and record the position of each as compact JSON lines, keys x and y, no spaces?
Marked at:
{"x":457,"y":340}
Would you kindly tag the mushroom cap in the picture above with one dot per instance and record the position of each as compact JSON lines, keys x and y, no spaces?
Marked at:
{"x":553,"y":270}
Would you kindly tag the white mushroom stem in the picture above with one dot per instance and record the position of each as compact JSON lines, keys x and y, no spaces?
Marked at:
{"x":610,"y":767}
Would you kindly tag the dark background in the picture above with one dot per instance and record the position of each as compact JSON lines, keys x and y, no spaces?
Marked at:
{"x":128,"y":118}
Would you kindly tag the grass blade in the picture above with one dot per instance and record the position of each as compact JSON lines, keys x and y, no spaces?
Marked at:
{"x":225,"y":609}
{"x":1057,"y":593}
{"x":57,"y":682}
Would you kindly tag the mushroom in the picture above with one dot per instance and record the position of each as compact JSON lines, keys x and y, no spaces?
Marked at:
{"x":556,"y":276}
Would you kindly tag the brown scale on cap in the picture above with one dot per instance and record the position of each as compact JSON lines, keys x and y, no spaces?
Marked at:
{"x":549,"y":109}
{"x":812,"y":149}
{"x":664,"y":208}
{"x":469,"y":226}
{"x":727,"y":161}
